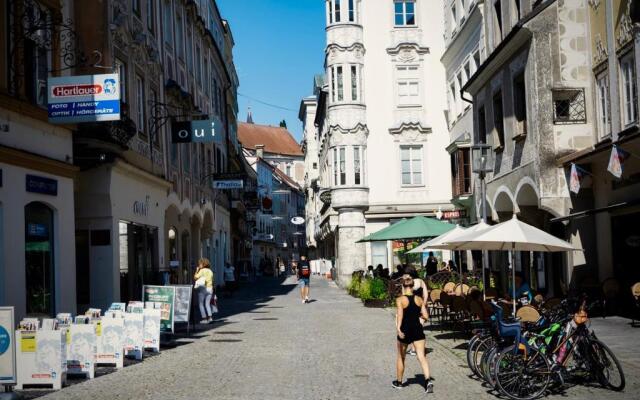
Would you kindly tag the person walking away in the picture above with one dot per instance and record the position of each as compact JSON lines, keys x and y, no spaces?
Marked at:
{"x":432,"y":265}
{"x":204,"y":285}
{"x":229,"y":278}
{"x":409,"y":329}
{"x":304,"y":277}
{"x":419,"y":290}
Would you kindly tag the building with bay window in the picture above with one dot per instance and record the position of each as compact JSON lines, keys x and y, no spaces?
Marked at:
{"x":379,"y":131}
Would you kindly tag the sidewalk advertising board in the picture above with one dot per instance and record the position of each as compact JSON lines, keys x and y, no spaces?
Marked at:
{"x":152,"y":329}
{"x":134,"y":335}
{"x":163,"y":298}
{"x":41,"y":358}
{"x":182,"y":308}
{"x":7,"y":347}
{"x":83,"y":98}
{"x":110,"y":340}
{"x":82,"y":348}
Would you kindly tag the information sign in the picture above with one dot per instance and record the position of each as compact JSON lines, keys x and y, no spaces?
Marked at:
{"x":163,"y":298}
{"x":7,"y":348}
{"x":84,"y":98}
{"x":182,"y":303}
{"x":198,"y":131}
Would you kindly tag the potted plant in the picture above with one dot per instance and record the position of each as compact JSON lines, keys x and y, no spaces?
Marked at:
{"x":376,"y":293}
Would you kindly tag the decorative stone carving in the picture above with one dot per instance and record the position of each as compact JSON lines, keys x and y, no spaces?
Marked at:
{"x":402,"y":49}
{"x":594,"y":4}
{"x":625,"y":34}
{"x":600,"y":54}
{"x":415,"y":129}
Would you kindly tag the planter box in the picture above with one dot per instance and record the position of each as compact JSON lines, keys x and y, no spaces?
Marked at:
{"x":375,"y":303}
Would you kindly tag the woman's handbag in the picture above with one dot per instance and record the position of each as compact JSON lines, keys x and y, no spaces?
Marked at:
{"x":200,"y":282}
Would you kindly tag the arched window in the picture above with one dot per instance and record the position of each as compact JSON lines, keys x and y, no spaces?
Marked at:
{"x":39,"y":267}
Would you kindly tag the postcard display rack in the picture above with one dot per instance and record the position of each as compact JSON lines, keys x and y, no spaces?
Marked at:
{"x":152,"y":329}
{"x":82,"y":343}
{"x":134,"y":335}
{"x":40,"y":354}
{"x":110,"y":339}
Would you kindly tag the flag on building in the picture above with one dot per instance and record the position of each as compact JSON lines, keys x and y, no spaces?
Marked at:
{"x":575,"y":179}
{"x":616,"y":160}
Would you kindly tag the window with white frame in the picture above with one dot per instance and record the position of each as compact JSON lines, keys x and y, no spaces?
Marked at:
{"x":405,"y":12}
{"x":629,"y":89}
{"x":408,"y":85}
{"x":454,"y":17}
{"x":342,"y":164}
{"x":452,"y":101}
{"x":121,"y":69}
{"x":355,"y":83}
{"x":179,"y":34}
{"x":167,"y":16}
{"x":602,"y":107}
{"x":411,"y":165}
{"x":476,"y":60}
{"x":335,"y":166}
{"x":358,"y":165}
{"x":337,"y":83}
{"x":459,"y":84}
{"x":352,"y":11}
{"x":334,"y":11}
{"x":140,"y":104}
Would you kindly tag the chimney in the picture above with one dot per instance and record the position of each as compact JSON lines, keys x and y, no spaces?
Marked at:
{"x":260,"y":150}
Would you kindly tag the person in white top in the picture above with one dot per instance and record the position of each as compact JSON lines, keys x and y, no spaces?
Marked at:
{"x":229,"y":278}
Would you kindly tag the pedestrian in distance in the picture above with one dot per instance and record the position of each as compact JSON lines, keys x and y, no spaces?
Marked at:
{"x":204,"y":286}
{"x":431,"y":265}
{"x":229,"y":278}
{"x":410,"y":309}
{"x":304,"y":277}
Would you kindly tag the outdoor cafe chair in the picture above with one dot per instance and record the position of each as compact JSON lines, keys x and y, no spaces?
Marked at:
{"x":449,"y":287}
{"x":528,"y":314}
{"x":461,"y":289}
{"x":433,"y":304}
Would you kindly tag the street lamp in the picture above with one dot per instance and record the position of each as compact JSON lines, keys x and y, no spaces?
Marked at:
{"x":481,"y":158}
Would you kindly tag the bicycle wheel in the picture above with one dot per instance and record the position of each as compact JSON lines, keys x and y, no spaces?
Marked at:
{"x":522,"y":376}
{"x":484,"y":346}
{"x":471,"y":347}
{"x":484,"y":362}
{"x":490,"y":371}
{"x":608,"y":368}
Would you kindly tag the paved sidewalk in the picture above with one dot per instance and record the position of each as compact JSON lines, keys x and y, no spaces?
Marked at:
{"x":267,"y":345}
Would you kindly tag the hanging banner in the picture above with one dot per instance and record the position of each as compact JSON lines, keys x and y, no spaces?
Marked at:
{"x":7,"y":348}
{"x":198,"y":131}
{"x":162,"y":298}
{"x":84,"y":98}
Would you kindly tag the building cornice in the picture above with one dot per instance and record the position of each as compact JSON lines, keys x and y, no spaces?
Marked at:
{"x":421,"y":50}
{"x":461,"y":39}
{"x":37,"y":162}
{"x":359,"y":127}
{"x":410,"y":126}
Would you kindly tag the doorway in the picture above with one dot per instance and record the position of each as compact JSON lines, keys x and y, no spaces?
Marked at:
{"x":39,"y":268}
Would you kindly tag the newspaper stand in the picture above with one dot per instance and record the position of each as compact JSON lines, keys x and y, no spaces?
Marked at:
{"x":41,"y":358}
{"x":134,"y":335}
{"x":110,"y":340}
{"x":152,"y":329}
{"x":81,"y":350}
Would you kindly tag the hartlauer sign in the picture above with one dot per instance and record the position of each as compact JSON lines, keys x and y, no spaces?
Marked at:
{"x":84,"y":98}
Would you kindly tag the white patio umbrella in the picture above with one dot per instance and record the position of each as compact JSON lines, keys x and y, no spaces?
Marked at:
{"x":442,"y":242}
{"x":513,"y":235}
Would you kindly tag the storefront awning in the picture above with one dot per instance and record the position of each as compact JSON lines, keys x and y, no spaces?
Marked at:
{"x":586,"y":213}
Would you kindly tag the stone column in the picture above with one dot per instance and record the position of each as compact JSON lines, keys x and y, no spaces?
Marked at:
{"x":352,"y":255}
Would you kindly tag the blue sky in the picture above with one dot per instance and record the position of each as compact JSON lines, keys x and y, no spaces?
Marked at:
{"x":279,"y":48}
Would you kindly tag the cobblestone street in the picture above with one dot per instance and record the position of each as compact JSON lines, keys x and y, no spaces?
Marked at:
{"x":267,"y":345}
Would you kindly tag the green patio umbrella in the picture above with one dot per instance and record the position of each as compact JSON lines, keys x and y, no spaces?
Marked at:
{"x":408,"y":229}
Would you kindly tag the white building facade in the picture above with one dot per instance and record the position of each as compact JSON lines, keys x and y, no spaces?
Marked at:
{"x":382,"y":143}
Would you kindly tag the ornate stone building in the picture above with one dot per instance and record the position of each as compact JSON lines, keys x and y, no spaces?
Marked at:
{"x":382,"y":139}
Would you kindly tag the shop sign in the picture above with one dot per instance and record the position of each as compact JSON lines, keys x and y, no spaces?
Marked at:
{"x":141,"y":207}
{"x":84,"y":98}
{"x":297,"y":220}
{"x":454,"y":214}
{"x":42,"y":185}
{"x":228,"y":184}
{"x":37,"y":230}
{"x":265,"y":237}
{"x":199,"y":131}
{"x":7,"y":347}
{"x":162,"y":298}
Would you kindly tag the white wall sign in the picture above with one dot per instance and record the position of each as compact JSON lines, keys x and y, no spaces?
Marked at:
{"x":84,"y":98}
{"x":7,"y":348}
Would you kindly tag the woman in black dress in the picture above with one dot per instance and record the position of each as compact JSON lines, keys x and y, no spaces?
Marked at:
{"x":409,"y":310}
